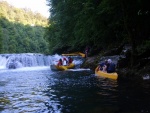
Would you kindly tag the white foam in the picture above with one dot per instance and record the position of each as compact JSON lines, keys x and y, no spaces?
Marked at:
{"x":26,"y":69}
{"x":80,"y":69}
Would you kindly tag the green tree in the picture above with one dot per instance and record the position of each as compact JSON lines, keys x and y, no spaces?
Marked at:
{"x":99,"y":23}
{"x":20,"y":32}
{"x":1,"y":41}
{"x":24,"y":16}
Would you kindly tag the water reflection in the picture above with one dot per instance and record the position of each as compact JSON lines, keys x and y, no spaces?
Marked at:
{"x":134,"y":96}
{"x":38,"y":91}
{"x":80,"y":92}
{"x":45,"y":91}
{"x":23,"y":90}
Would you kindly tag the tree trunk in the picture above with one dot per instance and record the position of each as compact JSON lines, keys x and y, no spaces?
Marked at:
{"x":131,"y":34}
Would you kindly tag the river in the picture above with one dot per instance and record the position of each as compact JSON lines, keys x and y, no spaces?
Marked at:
{"x":40,"y":90}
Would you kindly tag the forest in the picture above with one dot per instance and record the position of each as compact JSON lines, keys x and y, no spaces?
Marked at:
{"x":99,"y":24}
{"x":75,"y":24}
{"x":21,"y":30}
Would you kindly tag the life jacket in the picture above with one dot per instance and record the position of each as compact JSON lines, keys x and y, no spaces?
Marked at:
{"x":70,"y":60}
{"x":59,"y":63}
{"x":65,"y":61}
{"x":111,"y":68}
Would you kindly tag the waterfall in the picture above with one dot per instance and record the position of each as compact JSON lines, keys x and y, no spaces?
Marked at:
{"x":12,"y":61}
{"x":3,"y":61}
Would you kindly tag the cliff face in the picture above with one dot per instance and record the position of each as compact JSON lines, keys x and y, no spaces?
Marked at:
{"x":121,"y":56}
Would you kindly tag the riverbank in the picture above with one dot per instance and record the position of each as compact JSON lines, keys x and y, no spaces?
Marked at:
{"x":121,"y":56}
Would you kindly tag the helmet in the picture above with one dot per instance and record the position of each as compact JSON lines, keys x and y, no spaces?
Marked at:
{"x":109,"y":60}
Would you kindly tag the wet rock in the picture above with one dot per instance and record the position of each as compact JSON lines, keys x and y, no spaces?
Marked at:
{"x":122,"y":63}
{"x":11,"y":65}
{"x":146,"y":77}
{"x":114,"y":51}
{"x":90,"y":62}
{"x":122,"y":58}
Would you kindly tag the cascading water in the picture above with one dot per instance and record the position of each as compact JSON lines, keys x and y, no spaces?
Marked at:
{"x":13,"y":61}
{"x":3,"y":61}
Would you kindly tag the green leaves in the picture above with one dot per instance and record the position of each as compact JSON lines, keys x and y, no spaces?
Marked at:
{"x":1,"y":40}
{"x":23,"y":16}
{"x":98,"y":23}
{"x":20,"y":31}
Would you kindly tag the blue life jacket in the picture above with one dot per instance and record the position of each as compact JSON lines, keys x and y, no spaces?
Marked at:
{"x":111,"y":68}
{"x":101,"y":65}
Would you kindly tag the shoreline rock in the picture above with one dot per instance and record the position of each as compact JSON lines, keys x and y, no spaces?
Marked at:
{"x":139,"y":71}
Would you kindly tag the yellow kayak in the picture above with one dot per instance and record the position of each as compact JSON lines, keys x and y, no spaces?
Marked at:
{"x":62,"y":68}
{"x":75,"y":54}
{"x":113,"y":76}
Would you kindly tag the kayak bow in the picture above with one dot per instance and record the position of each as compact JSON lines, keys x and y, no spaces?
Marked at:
{"x":62,"y":68}
{"x":100,"y":73}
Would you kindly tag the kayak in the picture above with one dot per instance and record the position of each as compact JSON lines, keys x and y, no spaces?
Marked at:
{"x":62,"y":68}
{"x":82,"y":54}
{"x":75,"y":54}
{"x":113,"y":76}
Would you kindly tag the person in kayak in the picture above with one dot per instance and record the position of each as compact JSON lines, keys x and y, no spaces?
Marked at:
{"x":70,"y":60}
{"x":111,"y":67}
{"x":60,"y":62}
{"x":65,"y":61}
{"x":104,"y":69}
{"x":86,"y":51}
{"x":103,"y":66}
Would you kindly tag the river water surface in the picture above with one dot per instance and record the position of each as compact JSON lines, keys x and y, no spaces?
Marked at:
{"x":40,"y":90}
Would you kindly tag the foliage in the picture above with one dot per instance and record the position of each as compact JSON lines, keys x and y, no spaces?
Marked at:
{"x":17,"y":32}
{"x":1,"y":40}
{"x":78,"y":23}
{"x":99,"y":24}
{"x":145,"y":46}
{"x":23,"y":16}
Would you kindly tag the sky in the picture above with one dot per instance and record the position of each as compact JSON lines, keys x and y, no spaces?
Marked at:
{"x":35,"y":5}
